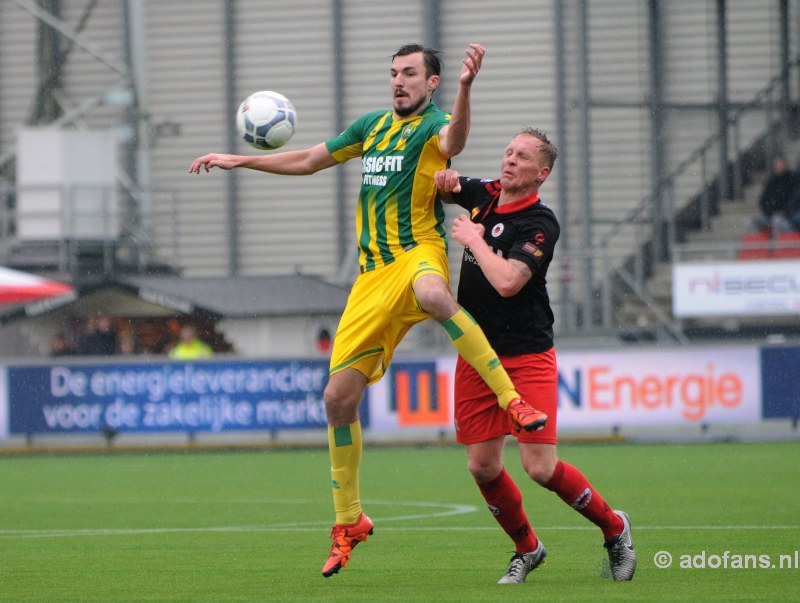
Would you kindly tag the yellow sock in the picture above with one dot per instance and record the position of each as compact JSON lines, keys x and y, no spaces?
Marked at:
{"x":344,"y":445}
{"x":472,"y":345}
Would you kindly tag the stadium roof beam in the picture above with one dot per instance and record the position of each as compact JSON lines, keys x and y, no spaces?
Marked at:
{"x":561,"y":174}
{"x":74,"y":36}
{"x":134,"y":177}
{"x":343,"y":248}
{"x":584,"y":111}
{"x":662,"y":204}
{"x":232,"y":184}
{"x":722,"y":102}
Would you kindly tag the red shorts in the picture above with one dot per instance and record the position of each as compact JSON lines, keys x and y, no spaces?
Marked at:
{"x":478,"y":417}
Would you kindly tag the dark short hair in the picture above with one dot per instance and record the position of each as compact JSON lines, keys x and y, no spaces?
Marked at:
{"x":548,"y":148}
{"x":433,"y":66}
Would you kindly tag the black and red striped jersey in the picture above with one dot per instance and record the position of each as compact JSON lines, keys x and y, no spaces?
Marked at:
{"x":524,"y":230}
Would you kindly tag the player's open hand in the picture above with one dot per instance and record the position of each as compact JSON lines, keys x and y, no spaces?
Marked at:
{"x":206,"y":162}
{"x":447,"y":181}
{"x":471,"y":64}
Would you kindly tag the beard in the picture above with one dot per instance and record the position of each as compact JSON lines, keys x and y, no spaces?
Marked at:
{"x":406,"y":111}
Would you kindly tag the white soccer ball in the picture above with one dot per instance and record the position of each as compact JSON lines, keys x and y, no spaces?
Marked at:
{"x":266,"y":120}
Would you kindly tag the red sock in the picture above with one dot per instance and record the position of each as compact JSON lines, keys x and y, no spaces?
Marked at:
{"x":575,"y":490}
{"x":505,"y":502}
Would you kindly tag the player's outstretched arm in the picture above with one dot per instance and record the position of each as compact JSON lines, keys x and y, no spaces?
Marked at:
{"x":290,"y":163}
{"x":453,"y":137}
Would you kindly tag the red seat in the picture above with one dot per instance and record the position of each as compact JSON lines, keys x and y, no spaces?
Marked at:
{"x":788,"y":245}
{"x":755,"y":246}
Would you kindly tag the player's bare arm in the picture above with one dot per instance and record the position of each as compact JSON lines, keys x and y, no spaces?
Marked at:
{"x":506,"y":276}
{"x":290,"y":163}
{"x":453,"y":137}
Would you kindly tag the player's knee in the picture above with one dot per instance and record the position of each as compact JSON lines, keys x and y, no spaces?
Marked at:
{"x":484,"y":471}
{"x":435,"y":298}
{"x":340,"y":407}
{"x":334,"y":397}
{"x":539,"y":471}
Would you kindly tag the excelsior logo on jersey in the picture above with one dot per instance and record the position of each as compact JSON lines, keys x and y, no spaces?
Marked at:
{"x":371,"y":168}
{"x":498,"y":230}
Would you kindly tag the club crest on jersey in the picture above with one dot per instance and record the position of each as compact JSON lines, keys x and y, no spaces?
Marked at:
{"x":407,"y":132}
{"x":497,"y":229}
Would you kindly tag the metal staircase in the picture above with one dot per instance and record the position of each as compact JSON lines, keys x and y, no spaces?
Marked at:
{"x":649,"y":315}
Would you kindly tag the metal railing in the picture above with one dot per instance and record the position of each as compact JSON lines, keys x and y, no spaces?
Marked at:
{"x":626,"y":278}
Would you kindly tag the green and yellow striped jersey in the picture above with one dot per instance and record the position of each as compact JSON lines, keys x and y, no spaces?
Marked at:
{"x":398,"y":207}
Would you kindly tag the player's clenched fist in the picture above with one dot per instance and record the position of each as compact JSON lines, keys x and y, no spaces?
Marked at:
{"x":447,"y":181}
{"x":467,"y":232}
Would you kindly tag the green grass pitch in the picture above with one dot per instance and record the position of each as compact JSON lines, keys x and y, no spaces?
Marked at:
{"x":253,"y":526}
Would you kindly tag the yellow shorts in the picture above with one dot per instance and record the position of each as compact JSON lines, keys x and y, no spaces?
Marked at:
{"x":380,"y":310}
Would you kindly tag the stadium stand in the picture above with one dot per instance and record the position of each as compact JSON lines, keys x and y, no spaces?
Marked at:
{"x":787,"y":245}
{"x":755,"y":246}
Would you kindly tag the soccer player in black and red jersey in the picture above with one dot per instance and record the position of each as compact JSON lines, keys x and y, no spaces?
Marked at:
{"x":509,"y":238}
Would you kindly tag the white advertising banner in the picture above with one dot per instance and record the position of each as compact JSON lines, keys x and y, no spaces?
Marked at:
{"x":597,"y":389}
{"x":659,"y":387}
{"x":749,"y":288}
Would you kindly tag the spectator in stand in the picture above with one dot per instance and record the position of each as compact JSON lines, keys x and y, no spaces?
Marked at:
{"x":127,"y":343}
{"x":793,"y":206}
{"x":100,"y":338}
{"x":189,"y":345}
{"x":774,"y":201}
{"x":61,"y":346}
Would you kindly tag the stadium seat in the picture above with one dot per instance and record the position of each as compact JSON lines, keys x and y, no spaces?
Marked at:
{"x":755,"y":246}
{"x":788,"y":245}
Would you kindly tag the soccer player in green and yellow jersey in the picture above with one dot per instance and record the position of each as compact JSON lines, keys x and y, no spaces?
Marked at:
{"x":398,"y":208}
{"x":404,"y":277}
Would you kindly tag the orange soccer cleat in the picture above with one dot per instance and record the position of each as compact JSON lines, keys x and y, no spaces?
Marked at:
{"x":525,"y":417}
{"x":345,"y":538}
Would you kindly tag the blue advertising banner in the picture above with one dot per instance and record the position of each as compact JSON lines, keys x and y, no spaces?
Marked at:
{"x":781,"y":387}
{"x":167,"y":397}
